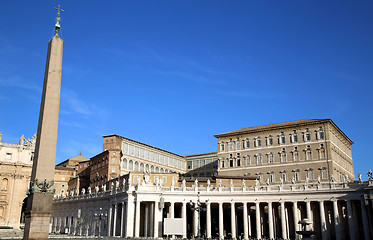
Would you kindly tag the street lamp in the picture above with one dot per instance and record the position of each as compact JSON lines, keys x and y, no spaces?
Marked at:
{"x":198,"y":208}
{"x":99,"y":217}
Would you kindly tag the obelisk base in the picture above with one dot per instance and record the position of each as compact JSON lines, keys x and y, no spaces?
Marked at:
{"x":38,"y":219}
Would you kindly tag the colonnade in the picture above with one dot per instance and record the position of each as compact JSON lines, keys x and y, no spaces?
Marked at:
{"x":336,"y":214}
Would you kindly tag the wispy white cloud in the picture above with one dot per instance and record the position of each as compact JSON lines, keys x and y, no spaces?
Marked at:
{"x":71,"y":124}
{"x":76,"y":104}
{"x":18,"y":82}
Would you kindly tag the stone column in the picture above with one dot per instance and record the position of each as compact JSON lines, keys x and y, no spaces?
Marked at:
{"x":195,"y":222}
{"x":270,"y":220}
{"x":308,"y":209}
{"x":130,"y":216}
{"x":122,"y":220}
{"x":295,"y":216}
{"x":245,"y":223}
{"x":208,"y":219}
{"x":156,"y":219}
{"x":184,"y":216}
{"x":110,"y":223}
{"x":258,"y":222}
{"x":146,"y":219}
{"x":365,"y":218}
{"x":233,"y":220}
{"x":172,"y":210}
{"x":323,"y":221}
{"x":137,"y":218}
{"x":152,"y":217}
{"x":336,"y":220}
{"x":115,"y":219}
{"x":221,"y":226}
{"x":350,"y":220}
{"x":283,"y":222}
{"x":39,"y":203}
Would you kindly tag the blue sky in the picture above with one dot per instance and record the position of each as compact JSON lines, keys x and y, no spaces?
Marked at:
{"x":174,"y":73}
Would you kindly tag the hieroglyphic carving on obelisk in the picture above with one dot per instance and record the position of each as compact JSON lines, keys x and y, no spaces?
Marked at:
{"x":39,"y":203}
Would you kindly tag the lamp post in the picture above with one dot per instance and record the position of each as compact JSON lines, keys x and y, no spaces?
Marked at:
{"x":99,"y":217}
{"x":198,"y":208}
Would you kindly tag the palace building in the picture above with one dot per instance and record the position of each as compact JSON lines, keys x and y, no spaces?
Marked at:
{"x":305,"y":150}
{"x":15,"y":164}
{"x":259,"y":184}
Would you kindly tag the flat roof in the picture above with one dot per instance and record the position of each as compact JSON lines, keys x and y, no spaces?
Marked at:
{"x":282,"y":125}
{"x":144,"y":144}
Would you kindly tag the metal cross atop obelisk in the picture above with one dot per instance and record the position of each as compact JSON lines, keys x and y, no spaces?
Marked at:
{"x":41,"y":191}
{"x":57,"y":26}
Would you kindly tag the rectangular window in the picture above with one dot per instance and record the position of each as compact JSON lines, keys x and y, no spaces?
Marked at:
{"x":321,"y":135}
{"x":296,"y":176}
{"x":284,"y":177}
{"x":222,"y":147}
{"x":238,"y":145}
{"x":259,"y":160}
{"x":8,"y":156}
{"x":322,"y":154}
{"x":295,"y":156}
{"x":283,"y":157}
{"x":324,"y":173}
{"x":248,"y":161}
{"x":189,"y":164}
{"x":125,"y":148}
{"x":308,"y":155}
{"x":270,"y":158}
{"x":294,"y":138}
{"x":247,"y":143}
{"x":272,"y":177}
{"x":230,"y":146}
{"x":258,"y":142}
{"x":307,"y":137}
{"x":195,"y":164}
{"x":310,"y":175}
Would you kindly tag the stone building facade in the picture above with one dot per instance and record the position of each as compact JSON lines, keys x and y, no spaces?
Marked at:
{"x":312,"y":178}
{"x":201,"y":165}
{"x":233,"y":209}
{"x":308,"y":150}
{"x":15,"y":164}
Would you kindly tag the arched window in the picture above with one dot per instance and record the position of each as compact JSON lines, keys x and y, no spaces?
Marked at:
{"x":147,"y":167}
{"x":259,"y":160}
{"x":4,"y":184}
{"x":152,"y":169}
{"x":166,"y":170}
{"x":136,"y":166}
{"x":1,"y":212}
{"x":248,"y":160}
{"x":270,"y":158}
{"x":324,"y":173}
{"x":124,"y":163}
{"x":238,"y":144}
{"x":130,"y":165}
{"x":162,"y":171}
{"x":283,"y":155}
{"x":141,"y":167}
{"x":156,"y":169}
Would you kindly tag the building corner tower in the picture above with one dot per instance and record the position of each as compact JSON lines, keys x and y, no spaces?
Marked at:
{"x":40,"y":195}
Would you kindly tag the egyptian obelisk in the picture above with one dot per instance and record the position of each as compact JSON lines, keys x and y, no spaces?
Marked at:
{"x":39,"y":203}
